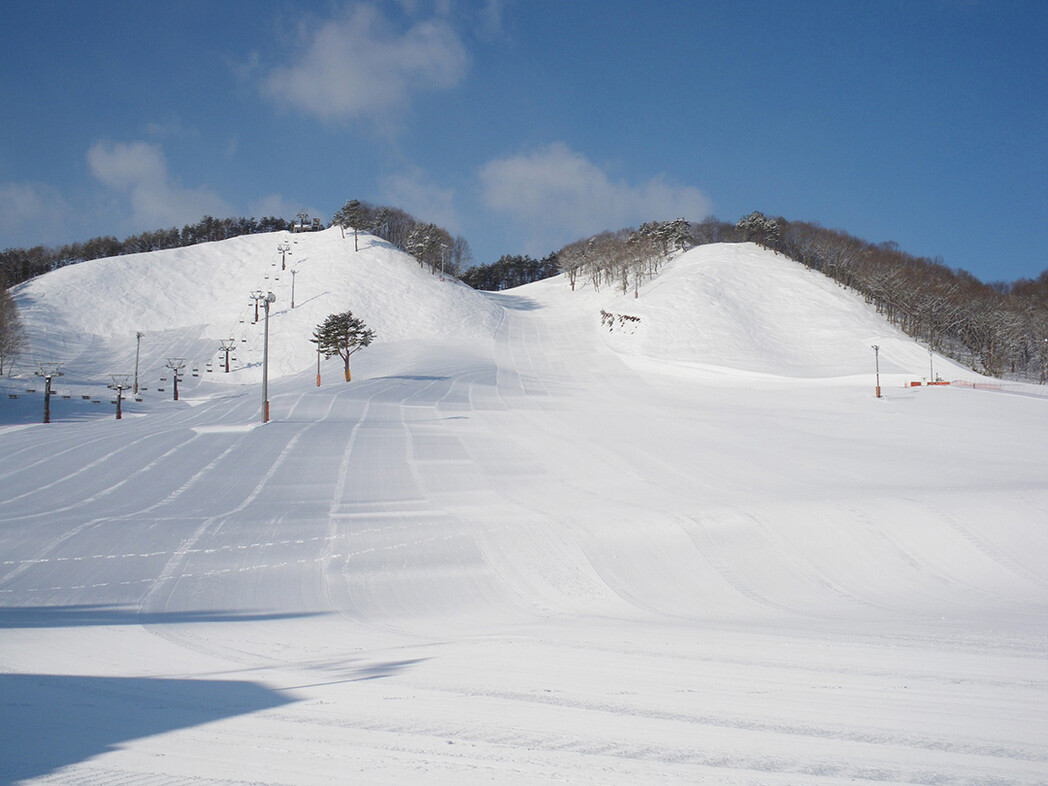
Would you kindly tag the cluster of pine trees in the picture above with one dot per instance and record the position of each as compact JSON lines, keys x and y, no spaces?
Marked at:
{"x":18,"y":265}
{"x":511,"y":270}
{"x":430,"y":244}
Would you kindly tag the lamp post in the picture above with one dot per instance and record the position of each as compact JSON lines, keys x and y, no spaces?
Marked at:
{"x":269,"y":298}
{"x":138,"y":347}
{"x":877,"y":362}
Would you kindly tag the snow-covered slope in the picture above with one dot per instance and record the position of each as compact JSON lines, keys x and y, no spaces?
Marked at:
{"x":737,"y":310}
{"x":187,"y":300}
{"x":519,"y":547}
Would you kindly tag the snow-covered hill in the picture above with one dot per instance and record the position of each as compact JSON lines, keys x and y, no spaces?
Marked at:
{"x":186,"y":301}
{"x":685,"y":544}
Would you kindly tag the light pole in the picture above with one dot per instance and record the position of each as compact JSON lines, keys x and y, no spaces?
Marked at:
{"x":119,"y":385}
{"x":269,"y":298}
{"x":877,"y":362}
{"x":176,"y":365}
{"x":48,"y":371}
{"x":138,"y":347}
{"x":284,"y":248}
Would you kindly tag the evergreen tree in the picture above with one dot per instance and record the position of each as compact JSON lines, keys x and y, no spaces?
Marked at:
{"x":759,"y":228}
{"x":342,"y":335}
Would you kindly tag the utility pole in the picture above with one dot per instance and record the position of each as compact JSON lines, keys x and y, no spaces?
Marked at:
{"x":119,"y":385}
{"x":48,"y":371}
{"x":293,"y":272}
{"x":176,"y":365}
{"x":227,"y":347}
{"x":877,"y":362}
{"x":258,"y":297}
{"x":138,"y":347}
{"x":269,"y":298}
{"x":284,"y":248}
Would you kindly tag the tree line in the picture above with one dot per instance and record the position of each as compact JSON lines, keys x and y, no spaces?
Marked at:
{"x":511,"y":270}
{"x":430,"y":244}
{"x":19,"y":264}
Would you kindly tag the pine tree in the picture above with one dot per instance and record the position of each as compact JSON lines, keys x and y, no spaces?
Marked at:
{"x":342,"y":335}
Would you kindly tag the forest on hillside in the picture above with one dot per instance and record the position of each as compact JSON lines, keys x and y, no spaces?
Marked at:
{"x":21,"y":264}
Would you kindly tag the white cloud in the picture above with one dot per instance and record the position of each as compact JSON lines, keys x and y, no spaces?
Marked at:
{"x":491,"y":19}
{"x":411,"y":190}
{"x":558,"y":195}
{"x":139,"y":170}
{"x":31,"y":214}
{"x":358,"y":66}
{"x":277,"y":206}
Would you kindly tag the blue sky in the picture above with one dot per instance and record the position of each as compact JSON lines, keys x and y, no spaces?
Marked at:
{"x":524,"y":124}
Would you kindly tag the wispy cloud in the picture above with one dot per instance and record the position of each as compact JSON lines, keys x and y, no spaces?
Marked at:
{"x":279,"y":206}
{"x":557,"y":195}
{"x":139,"y":171}
{"x":359,"y":66}
{"x":31,"y":214}
{"x":413,"y":191}
{"x":491,"y":19}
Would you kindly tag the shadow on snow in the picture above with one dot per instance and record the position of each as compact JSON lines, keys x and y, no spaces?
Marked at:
{"x":52,"y":721}
{"x":86,"y":615}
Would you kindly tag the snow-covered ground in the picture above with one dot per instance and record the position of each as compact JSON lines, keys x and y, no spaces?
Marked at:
{"x":519,"y":547}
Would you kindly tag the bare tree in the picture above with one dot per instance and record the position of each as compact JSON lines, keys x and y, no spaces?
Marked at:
{"x":13,"y":339}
